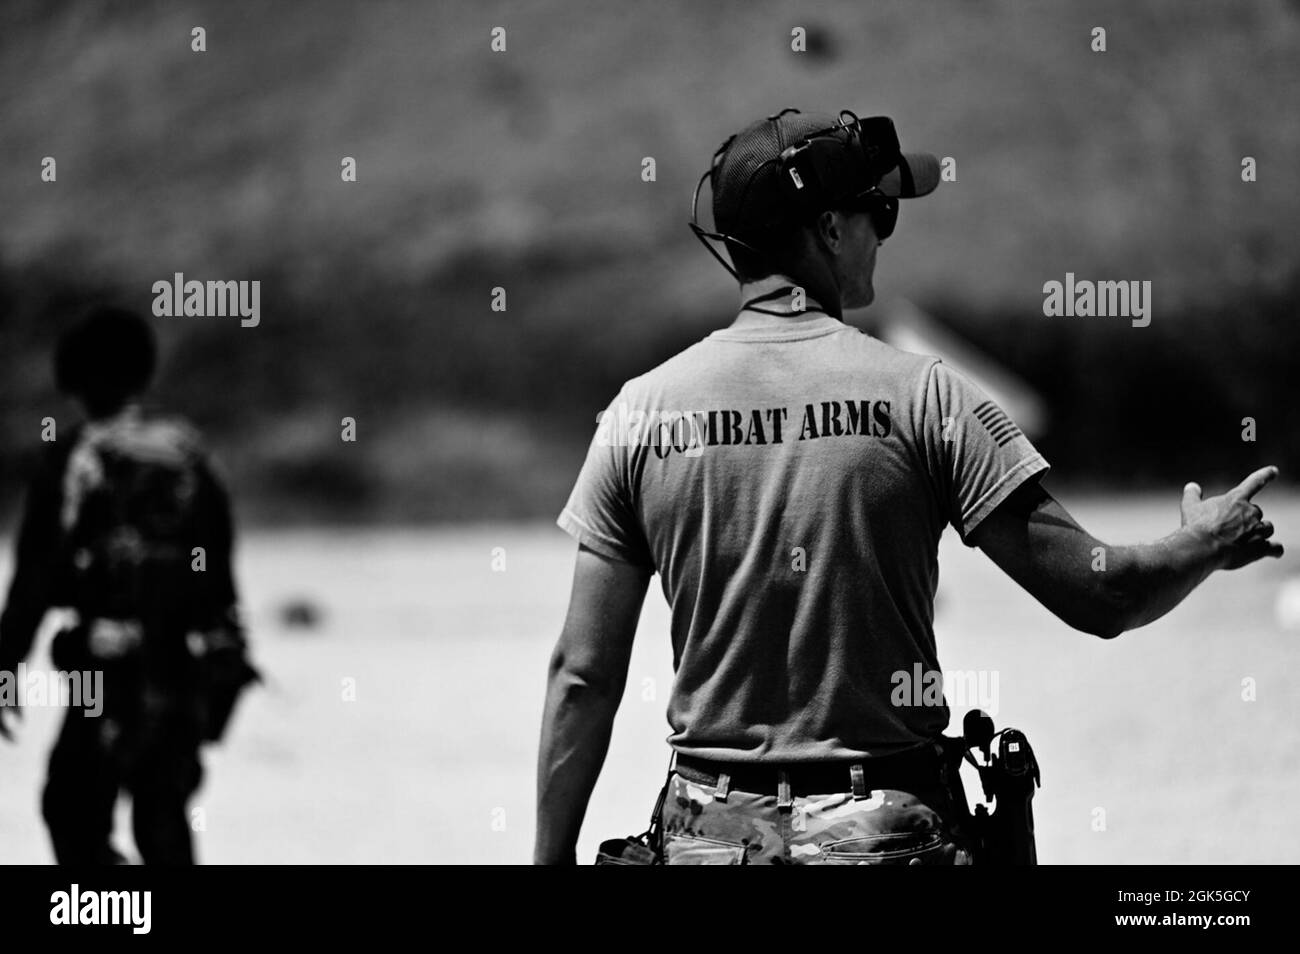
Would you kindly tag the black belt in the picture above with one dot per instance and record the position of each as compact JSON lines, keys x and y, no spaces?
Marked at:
{"x":918,"y":769}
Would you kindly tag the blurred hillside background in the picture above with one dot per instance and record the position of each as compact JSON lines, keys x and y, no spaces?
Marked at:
{"x":522,"y":169}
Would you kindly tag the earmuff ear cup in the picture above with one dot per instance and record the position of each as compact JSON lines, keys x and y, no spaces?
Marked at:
{"x":811,"y":175}
{"x":823,"y":172}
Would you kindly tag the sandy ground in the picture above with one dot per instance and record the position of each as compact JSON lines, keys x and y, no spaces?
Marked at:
{"x":1149,"y":752}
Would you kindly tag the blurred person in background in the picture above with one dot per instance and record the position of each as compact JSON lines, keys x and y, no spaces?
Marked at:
{"x":789,"y":478}
{"x":126,"y":524}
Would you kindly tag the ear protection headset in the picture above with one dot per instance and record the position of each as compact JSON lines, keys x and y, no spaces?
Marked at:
{"x":837,"y":167}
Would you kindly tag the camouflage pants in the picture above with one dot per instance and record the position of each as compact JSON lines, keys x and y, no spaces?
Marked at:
{"x":888,"y":827}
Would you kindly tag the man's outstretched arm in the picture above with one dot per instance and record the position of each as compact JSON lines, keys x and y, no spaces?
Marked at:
{"x":1040,"y":546}
{"x":587,"y":674}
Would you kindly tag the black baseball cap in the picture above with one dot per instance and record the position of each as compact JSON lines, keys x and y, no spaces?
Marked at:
{"x":749,"y":198}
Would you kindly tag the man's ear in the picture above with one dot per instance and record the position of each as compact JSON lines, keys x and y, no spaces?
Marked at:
{"x":827,"y":230}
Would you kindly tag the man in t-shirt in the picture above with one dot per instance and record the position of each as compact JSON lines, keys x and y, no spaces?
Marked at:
{"x":789,"y":477}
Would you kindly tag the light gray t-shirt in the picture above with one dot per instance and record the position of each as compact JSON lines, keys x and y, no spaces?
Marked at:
{"x":789,"y":478}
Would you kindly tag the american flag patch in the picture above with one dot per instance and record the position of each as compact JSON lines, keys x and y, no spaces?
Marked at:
{"x":1000,"y":427}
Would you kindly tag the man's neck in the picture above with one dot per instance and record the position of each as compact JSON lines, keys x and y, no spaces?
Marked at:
{"x":816,"y":288}
{"x":822,"y":300}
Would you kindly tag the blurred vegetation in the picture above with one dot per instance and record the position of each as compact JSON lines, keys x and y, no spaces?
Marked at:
{"x":522,"y":170}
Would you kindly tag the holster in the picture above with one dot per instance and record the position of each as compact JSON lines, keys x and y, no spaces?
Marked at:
{"x":646,"y":848}
{"x":1004,"y":835}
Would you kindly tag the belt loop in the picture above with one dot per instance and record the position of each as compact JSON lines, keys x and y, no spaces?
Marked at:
{"x":859,"y":778}
{"x":724,"y":787}
{"x":784,"y":803}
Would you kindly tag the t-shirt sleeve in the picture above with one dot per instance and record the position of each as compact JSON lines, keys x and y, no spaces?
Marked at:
{"x":977,"y":454}
{"x":601,"y":512}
